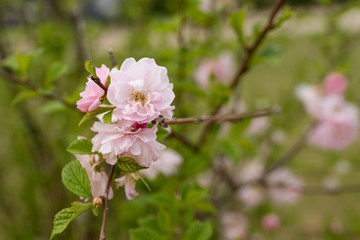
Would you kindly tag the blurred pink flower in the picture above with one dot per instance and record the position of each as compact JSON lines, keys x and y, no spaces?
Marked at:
{"x":129,"y":181}
{"x":251,"y":195}
{"x":98,"y":178}
{"x":140,"y":91}
{"x":283,"y":186}
{"x":167,"y":164}
{"x":338,"y":129}
{"x":335,"y":83}
{"x":233,"y":226}
{"x":270,"y":222}
{"x":257,"y":126}
{"x":91,"y":96}
{"x":121,"y":140}
{"x":337,"y":120}
{"x":221,"y":68}
{"x":251,"y":172}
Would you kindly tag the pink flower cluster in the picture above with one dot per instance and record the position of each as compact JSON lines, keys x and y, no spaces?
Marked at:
{"x":139,"y":92}
{"x":337,"y":120}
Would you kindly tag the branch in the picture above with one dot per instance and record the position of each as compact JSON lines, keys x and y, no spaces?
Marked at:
{"x":293,"y":150}
{"x":244,"y":66}
{"x":112,"y":58}
{"x":102,"y":233}
{"x":98,"y":82}
{"x":80,"y":34}
{"x":319,"y":190}
{"x":31,"y":86}
{"x":226,"y":117}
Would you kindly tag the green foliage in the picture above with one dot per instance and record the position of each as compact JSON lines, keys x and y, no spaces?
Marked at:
{"x":129,"y":165}
{"x":81,"y":146}
{"x":90,"y":68}
{"x":107,"y":117}
{"x":236,"y":21}
{"x":76,"y":179}
{"x":65,"y":216}
{"x":144,"y":233}
{"x":161,"y":134}
{"x":286,"y":14}
{"x":94,"y":113}
{"x":55,"y":71}
{"x":24,"y":95}
{"x":199,"y":231}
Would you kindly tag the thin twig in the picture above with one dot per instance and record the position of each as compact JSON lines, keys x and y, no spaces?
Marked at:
{"x":31,"y":86}
{"x":98,"y":82}
{"x":112,"y":58}
{"x":80,"y":33}
{"x":320,"y":190}
{"x":102,"y":233}
{"x":226,"y":117}
{"x":244,"y":66}
{"x":293,"y":150}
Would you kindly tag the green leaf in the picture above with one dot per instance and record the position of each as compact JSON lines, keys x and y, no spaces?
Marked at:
{"x":236,"y":20}
{"x":161,"y":134}
{"x":94,"y":113}
{"x":80,"y":146}
{"x":287,"y":13}
{"x":65,"y":216}
{"x":24,"y":95}
{"x":90,"y":68}
{"x":129,"y":165}
{"x":199,"y":231}
{"x":96,"y":210}
{"x":76,"y":179}
{"x":144,"y":233}
{"x":24,"y":62}
{"x":107,"y":117}
{"x":55,"y":71}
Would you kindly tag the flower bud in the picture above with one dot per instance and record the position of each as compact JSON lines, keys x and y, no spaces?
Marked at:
{"x":97,"y":201}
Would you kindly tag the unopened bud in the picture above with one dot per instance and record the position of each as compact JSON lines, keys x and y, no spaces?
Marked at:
{"x":97,"y":201}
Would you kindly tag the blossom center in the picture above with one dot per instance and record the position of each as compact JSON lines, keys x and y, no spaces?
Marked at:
{"x":139,"y":96}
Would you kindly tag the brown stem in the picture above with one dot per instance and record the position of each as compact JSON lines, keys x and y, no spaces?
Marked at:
{"x":102,"y":233}
{"x":29,"y":85}
{"x":320,"y":190}
{"x":112,"y":58}
{"x":225,"y":117}
{"x":80,"y":34}
{"x":98,"y":82}
{"x":244,"y":66}
{"x":293,"y":150}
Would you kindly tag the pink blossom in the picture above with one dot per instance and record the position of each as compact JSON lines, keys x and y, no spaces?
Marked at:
{"x":121,"y":140}
{"x":129,"y":181}
{"x":91,"y":97}
{"x":251,"y":172}
{"x":284,"y":187}
{"x":257,"y":126}
{"x":234,"y":225}
{"x":335,"y":83}
{"x":140,"y":91}
{"x":338,"y":131}
{"x":221,"y":68}
{"x":167,"y":164}
{"x":98,"y":178}
{"x":270,"y":222}
{"x":251,"y":195}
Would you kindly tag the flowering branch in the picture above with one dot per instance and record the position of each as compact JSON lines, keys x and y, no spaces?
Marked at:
{"x":102,"y":233}
{"x":244,"y":66}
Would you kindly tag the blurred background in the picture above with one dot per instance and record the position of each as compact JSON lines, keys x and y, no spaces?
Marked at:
{"x":47,"y":42}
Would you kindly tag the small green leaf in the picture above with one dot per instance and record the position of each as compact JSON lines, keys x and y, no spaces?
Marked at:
{"x":161,"y":134}
{"x":90,"y":68}
{"x":24,"y":62}
{"x":55,"y":71}
{"x":236,"y":21}
{"x":199,"y":231}
{"x":76,"y":179}
{"x":24,"y":95}
{"x":287,"y":13}
{"x":94,"y":113}
{"x":107,"y":117}
{"x":129,"y":165}
{"x":65,"y":216}
{"x":96,"y":210}
{"x":80,"y":146}
{"x":145,"y":233}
